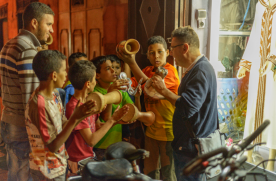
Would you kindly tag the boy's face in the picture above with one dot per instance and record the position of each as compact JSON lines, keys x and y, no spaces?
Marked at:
{"x":61,"y":75}
{"x":117,"y":68}
{"x":92,"y":84}
{"x":107,"y":73}
{"x":157,"y":55}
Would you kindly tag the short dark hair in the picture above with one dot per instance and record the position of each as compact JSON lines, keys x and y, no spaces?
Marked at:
{"x":47,"y":61}
{"x":113,"y":58}
{"x":35,"y":10}
{"x":81,"y":72}
{"x":98,"y":61}
{"x":72,"y":58}
{"x":188,"y":35}
{"x":157,"y":39}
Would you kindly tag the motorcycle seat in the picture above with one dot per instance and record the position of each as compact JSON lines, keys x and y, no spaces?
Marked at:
{"x":124,"y":150}
{"x":98,"y":171}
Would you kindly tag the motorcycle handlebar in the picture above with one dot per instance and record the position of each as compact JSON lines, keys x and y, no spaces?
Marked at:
{"x":249,"y":139}
{"x":198,"y":163}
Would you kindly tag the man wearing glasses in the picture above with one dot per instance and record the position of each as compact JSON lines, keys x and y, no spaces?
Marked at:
{"x":196,"y":101}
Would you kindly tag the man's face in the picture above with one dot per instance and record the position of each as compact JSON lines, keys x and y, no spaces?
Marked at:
{"x":45,"y":27}
{"x":107,"y":73}
{"x":117,"y":68}
{"x":157,"y":55}
{"x":61,"y":75}
{"x":177,"y":51}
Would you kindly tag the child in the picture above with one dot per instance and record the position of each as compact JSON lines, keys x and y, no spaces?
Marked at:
{"x":84,"y":136}
{"x":116,"y":66}
{"x":69,"y":89}
{"x":106,"y":81}
{"x":159,"y":135}
{"x":46,"y":124}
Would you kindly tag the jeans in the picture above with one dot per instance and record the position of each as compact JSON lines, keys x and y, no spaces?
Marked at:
{"x":18,"y":149}
{"x":180,"y":160}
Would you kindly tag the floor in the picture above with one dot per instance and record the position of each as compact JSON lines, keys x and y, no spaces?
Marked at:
{"x":3,"y":165}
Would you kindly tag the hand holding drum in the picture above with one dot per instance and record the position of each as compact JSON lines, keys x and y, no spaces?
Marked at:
{"x":114,"y":97}
{"x":128,"y":47}
{"x":147,"y":118}
{"x":162,"y":72}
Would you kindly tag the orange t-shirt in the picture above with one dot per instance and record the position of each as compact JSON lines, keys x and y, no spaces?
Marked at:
{"x":161,"y":129}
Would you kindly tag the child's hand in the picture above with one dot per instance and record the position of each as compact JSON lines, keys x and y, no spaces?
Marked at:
{"x":120,"y":84}
{"x":126,"y":58}
{"x":158,"y":84}
{"x":83,"y":111}
{"x":119,"y":113}
{"x":139,"y":92}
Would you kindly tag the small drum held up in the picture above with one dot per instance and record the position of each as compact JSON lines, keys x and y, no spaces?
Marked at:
{"x":147,"y":118}
{"x":114,"y":97}
{"x":129,"y":47}
{"x":161,"y":71}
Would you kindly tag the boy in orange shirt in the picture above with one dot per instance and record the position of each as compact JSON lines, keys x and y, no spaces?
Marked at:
{"x":159,"y":135}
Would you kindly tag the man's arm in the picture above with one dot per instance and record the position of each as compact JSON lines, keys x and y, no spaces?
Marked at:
{"x":190,"y":101}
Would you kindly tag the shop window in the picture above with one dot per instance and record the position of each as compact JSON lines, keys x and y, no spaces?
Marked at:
{"x":234,"y":30}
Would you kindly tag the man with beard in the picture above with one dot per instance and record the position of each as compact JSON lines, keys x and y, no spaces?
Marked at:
{"x":18,"y":81}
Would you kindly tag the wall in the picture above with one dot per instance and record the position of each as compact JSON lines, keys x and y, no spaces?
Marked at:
{"x":12,"y":18}
{"x":202,"y":33}
{"x":13,"y":23}
{"x":93,"y":27}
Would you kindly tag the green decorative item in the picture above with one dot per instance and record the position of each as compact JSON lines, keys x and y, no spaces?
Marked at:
{"x":227,"y":63}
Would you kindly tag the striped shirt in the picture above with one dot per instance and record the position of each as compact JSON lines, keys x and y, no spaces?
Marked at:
{"x":18,"y":79}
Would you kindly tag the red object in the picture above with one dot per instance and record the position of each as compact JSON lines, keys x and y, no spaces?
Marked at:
{"x":205,"y":164}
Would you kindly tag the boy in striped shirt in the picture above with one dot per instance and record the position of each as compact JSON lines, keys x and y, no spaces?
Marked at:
{"x":18,"y":81}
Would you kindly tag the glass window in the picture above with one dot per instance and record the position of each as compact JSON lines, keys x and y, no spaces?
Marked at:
{"x":234,"y":32}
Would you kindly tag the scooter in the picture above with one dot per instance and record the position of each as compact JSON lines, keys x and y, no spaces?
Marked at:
{"x":120,"y":165}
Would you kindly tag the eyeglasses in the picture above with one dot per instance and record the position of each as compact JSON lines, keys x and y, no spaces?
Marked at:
{"x":172,"y":47}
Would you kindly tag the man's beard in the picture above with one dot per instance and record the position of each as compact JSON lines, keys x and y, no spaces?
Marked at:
{"x":40,"y":36}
